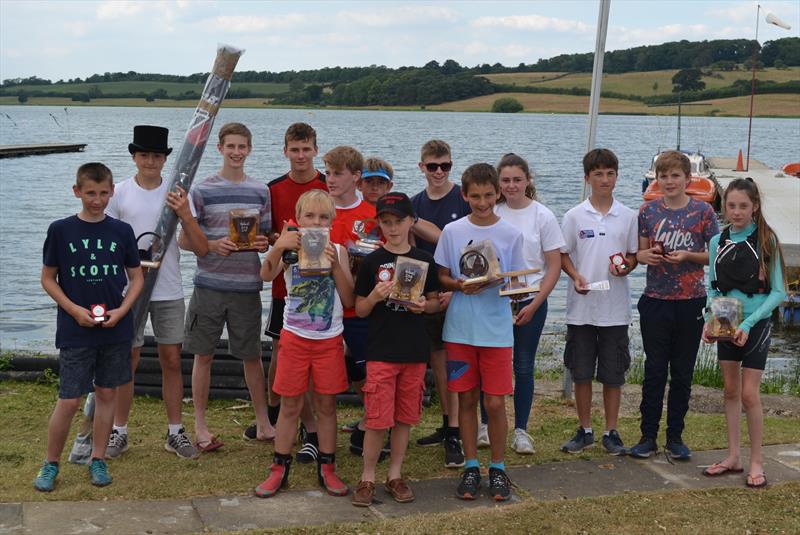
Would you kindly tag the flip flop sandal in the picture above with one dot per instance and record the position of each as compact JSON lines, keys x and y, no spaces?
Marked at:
{"x":206,"y":446}
{"x":719,"y":469}
{"x":753,"y":477}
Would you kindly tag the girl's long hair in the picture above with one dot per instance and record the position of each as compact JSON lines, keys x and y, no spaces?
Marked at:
{"x":513,"y":160}
{"x":769,"y":248}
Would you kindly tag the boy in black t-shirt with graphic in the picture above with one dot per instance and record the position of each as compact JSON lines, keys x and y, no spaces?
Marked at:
{"x":396,"y":356}
{"x":89,"y":258}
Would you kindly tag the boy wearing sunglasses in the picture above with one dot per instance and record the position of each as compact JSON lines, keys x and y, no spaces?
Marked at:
{"x":440,"y":203}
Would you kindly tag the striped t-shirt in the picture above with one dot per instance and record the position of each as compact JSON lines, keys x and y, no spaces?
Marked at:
{"x":211,"y":201}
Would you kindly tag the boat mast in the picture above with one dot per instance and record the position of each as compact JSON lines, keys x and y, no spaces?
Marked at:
{"x":752,"y":90}
{"x":597,"y":76}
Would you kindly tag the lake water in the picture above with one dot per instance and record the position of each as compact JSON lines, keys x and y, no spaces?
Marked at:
{"x":36,"y":190}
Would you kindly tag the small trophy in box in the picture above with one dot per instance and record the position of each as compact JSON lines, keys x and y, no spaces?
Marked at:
{"x":358,"y":250}
{"x":243,"y":228}
{"x":146,"y":259}
{"x":98,"y":313}
{"x":312,"y":258}
{"x":409,"y":281}
{"x":479,"y":265}
{"x":725,"y":317}
{"x":517,"y":286}
{"x":619,"y":261}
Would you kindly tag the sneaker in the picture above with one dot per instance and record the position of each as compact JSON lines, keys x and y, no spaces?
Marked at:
{"x":453,"y":454}
{"x":434,"y":439}
{"x":470,"y":484}
{"x":349,"y":427}
{"x":277,"y":479}
{"x":180,"y":445}
{"x":678,"y":450}
{"x":579,"y":442}
{"x":309,"y":451}
{"x":523,"y":443}
{"x":644,"y":449}
{"x":251,"y":433}
{"x":98,"y":472}
{"x":483,"y":436}
{"x":499,"y":485}
{"x":364,"y":494}
{"x":612,"y":442}
{"x":46,"y":478}
{"x":117,"y":444}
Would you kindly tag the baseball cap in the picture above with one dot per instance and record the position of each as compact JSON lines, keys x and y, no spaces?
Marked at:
{"x":396,"y":203}
{"x":380,"y":172}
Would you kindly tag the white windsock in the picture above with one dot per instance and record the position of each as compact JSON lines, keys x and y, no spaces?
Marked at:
{"x":772,"y":19}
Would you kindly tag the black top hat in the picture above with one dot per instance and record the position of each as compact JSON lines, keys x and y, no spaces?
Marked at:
{"x":148,"y":138}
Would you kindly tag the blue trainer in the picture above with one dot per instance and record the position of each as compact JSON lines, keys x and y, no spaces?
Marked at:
{"x":644,"y":449}
{"x":46,"y":478}
{"x":98,"y":471}
{"x":678,"y":450}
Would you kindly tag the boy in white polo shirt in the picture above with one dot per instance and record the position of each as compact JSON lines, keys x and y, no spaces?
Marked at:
{"x":597,"y":319}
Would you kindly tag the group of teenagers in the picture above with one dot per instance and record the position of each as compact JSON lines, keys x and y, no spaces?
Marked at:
{"x":337,"y":330}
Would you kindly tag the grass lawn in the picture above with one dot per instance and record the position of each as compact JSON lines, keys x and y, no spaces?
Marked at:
{"x":639,"y":83}
{"x":147,"y":471}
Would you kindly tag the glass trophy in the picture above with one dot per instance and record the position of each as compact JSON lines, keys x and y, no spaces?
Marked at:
{"x":312,"y":259}
{"x":619,"y":260}
{"x":358,"y":250}
{"x":243,"y":228}
{"x":409,"y":281}
{"x":725,"y":317}
{"x":479,"y":265}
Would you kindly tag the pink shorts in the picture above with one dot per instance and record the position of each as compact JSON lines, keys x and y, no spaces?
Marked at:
{"x":393,"y":393}
{"x":490,"y":368}
{"x":322,"y":360}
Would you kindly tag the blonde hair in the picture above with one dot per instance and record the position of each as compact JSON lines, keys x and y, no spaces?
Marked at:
{"x":374,"y":164}
{"x":316,"y":197}
{"x":344,"y":157}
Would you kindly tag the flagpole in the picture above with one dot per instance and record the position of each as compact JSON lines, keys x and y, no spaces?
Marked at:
{"x":752,"y":89}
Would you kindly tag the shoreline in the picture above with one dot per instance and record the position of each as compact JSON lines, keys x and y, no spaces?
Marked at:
{"x":560,"y":105}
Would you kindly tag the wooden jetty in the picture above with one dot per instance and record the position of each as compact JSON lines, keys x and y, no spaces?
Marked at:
{"x":780,"y":196}
{"x":16,"y":151}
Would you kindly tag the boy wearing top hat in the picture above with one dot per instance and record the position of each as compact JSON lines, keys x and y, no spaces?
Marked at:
{"x":138,"y":201}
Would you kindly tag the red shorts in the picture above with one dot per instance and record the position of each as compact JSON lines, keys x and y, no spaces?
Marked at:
{"x":490,"y":368}
{"x":393,"y":393}
{"x":323,"y":360}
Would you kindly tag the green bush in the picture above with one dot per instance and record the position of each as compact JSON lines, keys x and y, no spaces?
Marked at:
{"x":506,"y":105}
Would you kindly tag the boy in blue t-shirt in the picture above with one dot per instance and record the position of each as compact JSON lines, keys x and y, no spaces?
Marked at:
{"x":478,"y":328}
{"x":89,"y":258}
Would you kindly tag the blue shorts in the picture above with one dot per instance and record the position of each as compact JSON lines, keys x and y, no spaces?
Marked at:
{"x":81,"y":368}
{"x":355,"y":337}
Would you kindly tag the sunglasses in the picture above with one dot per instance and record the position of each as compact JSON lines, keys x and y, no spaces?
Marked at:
{"x":446,"y":166}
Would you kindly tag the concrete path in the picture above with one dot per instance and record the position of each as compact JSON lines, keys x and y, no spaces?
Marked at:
{"x":552,"y":481}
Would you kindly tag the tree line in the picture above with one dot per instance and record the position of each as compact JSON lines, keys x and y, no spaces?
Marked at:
{"x":672,"y":55}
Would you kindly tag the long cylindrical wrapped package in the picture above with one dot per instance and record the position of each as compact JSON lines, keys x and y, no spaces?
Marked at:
{"x":194,"y":143}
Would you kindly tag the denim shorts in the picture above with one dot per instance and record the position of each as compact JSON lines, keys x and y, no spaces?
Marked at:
{"x":166,"y":317}
{"x":81,"y":368}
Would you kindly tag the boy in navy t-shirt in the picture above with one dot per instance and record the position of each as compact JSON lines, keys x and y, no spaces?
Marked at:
{"x":88,"y":260}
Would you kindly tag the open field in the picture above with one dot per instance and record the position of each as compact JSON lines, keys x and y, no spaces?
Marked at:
{"x":146,"y":471}
{"x":172,"y":88}
{"x":771,"y":105}
{"x":640,"y":83}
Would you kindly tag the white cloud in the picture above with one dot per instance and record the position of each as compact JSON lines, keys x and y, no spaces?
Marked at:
{"x":384,"y":18}
{"x":76,"y":28}
{"x":531,"y":22}
{"x":742,"y":13}
{"x":245,"y":24}
{"x":119,"y":9}
{"x":670,"y":32}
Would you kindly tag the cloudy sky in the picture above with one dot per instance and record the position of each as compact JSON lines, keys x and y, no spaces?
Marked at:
{"x":65,"y":39}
